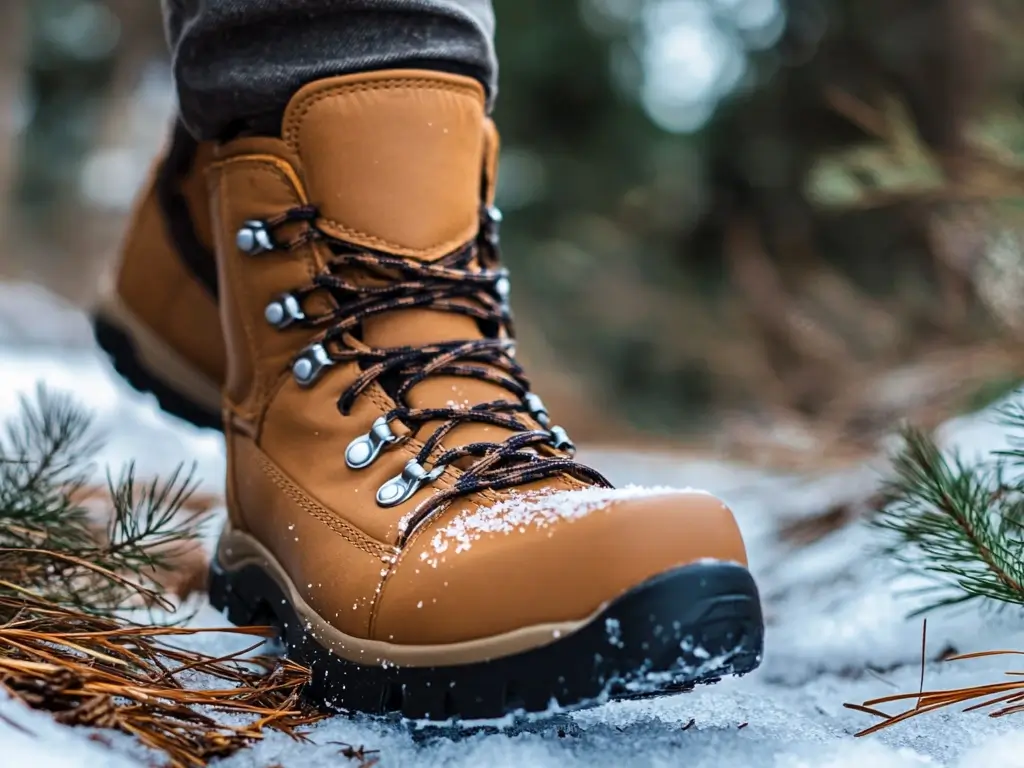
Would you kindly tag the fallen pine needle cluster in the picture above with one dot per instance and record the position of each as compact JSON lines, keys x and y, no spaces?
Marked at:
{"x":1008,"y":695}
{"x":68,"y":585}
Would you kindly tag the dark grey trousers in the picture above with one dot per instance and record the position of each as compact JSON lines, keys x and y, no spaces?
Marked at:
{"x":238,"y":62}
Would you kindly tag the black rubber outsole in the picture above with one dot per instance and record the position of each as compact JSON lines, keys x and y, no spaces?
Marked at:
{"x":687,"y":627}
{"x":121,"y":351}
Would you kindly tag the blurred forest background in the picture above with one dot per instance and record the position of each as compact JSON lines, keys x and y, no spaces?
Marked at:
{"x":771,"y":228}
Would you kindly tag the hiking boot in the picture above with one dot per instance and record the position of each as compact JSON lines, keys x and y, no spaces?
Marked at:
{"x":399,"y":502}
{"x":158,"y":317}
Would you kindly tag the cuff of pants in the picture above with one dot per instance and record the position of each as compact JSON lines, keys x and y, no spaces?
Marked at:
{"x":238,"y":62}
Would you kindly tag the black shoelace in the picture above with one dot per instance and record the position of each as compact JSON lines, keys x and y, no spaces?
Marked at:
{"x":469,"y":282}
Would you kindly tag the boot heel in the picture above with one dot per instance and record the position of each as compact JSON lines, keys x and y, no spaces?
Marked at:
{"x":241,"y":606}
{"x":150,"y":366}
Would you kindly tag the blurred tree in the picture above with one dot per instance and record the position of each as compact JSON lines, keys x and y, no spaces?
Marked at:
{"x":12,"y":35}
{"x":71,"y":59}
{"x":745,"y":204}
{"x":83,"y":65}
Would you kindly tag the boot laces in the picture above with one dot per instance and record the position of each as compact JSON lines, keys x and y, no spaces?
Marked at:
{"x":470,"y":282}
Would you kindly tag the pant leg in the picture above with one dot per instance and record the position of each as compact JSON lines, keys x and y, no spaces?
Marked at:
{"x":238,"y":62}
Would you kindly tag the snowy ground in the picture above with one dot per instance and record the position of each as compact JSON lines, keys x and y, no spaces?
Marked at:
{"x":837,"y":626}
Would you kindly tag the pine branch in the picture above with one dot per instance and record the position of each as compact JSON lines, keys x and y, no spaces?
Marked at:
{"x":959,"y":525}
{"x":41,"y":467}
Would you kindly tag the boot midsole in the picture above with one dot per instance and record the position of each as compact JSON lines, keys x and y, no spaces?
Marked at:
{"x":237,"y":550}
{"x":159,"y":359}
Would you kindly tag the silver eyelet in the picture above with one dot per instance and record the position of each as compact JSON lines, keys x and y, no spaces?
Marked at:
{"x":283,"y":311}
{"x":402,"y":488}
{"x":492,"y":225}
{"x":310,"y":364}
{"x":503,"y":287}
{"x":560,"y":440}
{"x":254,"y":238}
{"x":537,"y":409}
{"x":365,"y":449}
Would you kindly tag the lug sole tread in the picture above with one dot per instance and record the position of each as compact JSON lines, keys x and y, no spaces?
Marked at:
{"x":687,"y":627}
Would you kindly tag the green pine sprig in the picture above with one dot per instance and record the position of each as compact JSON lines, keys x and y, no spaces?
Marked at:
{"x":51,"y":546}
{"x":959,"y":524}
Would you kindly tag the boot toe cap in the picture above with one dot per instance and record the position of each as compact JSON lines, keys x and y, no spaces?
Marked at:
{"x":545,"y":559}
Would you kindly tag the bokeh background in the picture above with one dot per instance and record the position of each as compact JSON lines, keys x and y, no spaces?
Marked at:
{"x":766,"y":228}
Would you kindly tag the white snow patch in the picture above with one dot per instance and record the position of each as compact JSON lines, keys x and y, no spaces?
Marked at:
{"x":537,"y":510}
{"x":1006,"y":751}
{"x":857,"y":755}
{"x":30,"y":738}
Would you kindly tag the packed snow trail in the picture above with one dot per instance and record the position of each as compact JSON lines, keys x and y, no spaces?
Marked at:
{"x":835,"y":613}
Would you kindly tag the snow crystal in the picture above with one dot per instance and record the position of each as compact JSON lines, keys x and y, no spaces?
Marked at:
{"x":613,"y":629}
{"x":404,"y":520}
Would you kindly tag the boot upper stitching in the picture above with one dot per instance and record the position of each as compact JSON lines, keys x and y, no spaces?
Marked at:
{"x":347,"y":531}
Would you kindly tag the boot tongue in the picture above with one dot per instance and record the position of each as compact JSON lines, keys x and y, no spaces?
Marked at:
{"x":393,"y":160}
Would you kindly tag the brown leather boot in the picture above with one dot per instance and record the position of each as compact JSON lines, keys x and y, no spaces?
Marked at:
{"x":399,"y":501}
{"x":158,"y":317}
